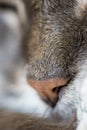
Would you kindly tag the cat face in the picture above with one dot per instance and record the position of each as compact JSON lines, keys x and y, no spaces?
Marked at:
{"x":55,"y":52}
{"x":60,"y":49}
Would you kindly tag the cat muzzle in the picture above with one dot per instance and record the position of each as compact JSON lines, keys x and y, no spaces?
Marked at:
{"x":49,"y":89}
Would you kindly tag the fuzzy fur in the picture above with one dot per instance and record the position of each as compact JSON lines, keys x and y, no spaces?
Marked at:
{"x":57,"y":48}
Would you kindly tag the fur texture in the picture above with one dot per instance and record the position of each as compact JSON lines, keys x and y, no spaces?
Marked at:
{"x":57,"y":48}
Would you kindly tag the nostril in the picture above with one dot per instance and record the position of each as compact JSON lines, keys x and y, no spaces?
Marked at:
{"x":57,"y":89}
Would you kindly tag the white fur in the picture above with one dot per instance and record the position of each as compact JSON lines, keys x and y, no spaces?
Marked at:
{"x":82,"y":106}
{"x":82,"y":3}
{"x":80,"y":8}
{"x":75,"y":99}
{"x":83,"y":123}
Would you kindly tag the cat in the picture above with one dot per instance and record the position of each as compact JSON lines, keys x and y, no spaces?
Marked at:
{"x":55,"y":56}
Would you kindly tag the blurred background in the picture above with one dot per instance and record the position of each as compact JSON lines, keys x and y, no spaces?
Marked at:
{"x":15,"y":92}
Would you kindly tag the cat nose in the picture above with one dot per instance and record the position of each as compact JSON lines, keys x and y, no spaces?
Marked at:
{"x":48,"y":89}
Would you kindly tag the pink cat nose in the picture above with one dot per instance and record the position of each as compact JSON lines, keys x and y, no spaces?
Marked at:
{"x":48,"y":88}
